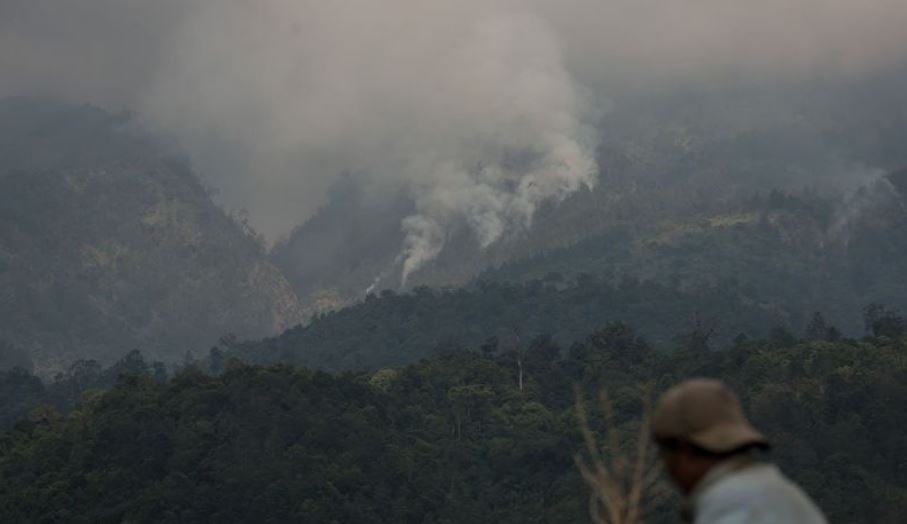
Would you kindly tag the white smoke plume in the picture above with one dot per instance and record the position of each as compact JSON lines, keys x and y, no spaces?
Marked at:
{"x":875,"y":193}
{"x":468,"y":106}
{"x":475,"y":106}
{"x":525,"y":143}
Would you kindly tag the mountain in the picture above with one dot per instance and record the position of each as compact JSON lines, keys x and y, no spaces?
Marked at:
{"x":743,"y":267}
{"x":794,"y":254}
{"x":781,"y":192}
{"x":337,"y":254}
{"x":109,"y":242}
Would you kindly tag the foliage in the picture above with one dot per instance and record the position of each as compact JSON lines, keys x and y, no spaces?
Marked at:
{"x":449,"y":439}
{"x":394,"y":329}
{"x":793,"y":254}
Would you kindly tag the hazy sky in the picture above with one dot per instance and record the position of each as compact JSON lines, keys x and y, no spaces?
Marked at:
{"x":481,"y":108}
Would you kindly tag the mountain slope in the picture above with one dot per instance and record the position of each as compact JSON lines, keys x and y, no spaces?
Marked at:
{"x":108,"y":242}
{"x":394,"y":329}
{"x":795,"y":254}
{"x":663,"y":159}
{"x":338,"y":253}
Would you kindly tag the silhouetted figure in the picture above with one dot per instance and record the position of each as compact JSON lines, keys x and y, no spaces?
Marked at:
{"x":708,"y":449}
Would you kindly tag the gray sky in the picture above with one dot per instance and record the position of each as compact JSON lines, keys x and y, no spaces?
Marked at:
{"x":481,"y":108}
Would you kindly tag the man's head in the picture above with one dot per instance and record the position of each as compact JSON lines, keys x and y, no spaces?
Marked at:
{"x":698,"y":424}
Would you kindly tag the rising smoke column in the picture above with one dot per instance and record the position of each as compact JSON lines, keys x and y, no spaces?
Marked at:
{"x":530,"y":147}
{"x":274,"y":98}
{"x":468,"y":106}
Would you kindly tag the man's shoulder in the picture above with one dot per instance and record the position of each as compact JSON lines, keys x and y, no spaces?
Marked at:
{"x":757,"y":493}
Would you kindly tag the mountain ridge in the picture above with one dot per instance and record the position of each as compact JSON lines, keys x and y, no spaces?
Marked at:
{"x":108,"y":241}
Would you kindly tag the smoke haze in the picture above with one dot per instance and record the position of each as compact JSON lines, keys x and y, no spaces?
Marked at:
{"x":480,"y":110}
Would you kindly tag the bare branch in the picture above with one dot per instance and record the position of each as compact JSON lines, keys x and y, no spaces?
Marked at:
{"x":620,"y":483}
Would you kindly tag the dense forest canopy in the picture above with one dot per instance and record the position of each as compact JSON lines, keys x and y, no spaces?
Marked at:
{"x":795,"y":254}
{"x":453,"y":438}
{"x":394,"y":329}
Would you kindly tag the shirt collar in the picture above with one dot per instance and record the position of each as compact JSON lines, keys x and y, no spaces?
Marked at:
{"x":715,"y":475}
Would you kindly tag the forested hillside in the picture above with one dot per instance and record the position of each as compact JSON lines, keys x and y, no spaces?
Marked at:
{"x":450,"y":439}
{"x":396,"y":329}
{"x":684,"y":181}
{"x":794,"y":254}
{"x":108,"y":242}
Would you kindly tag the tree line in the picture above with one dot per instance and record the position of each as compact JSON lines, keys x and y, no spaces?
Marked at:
{"x":452,"y":438}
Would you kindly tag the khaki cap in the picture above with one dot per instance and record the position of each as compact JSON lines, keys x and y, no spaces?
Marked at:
{"x":706,"y":413}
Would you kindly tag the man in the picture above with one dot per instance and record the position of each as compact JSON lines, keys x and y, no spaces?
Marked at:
{"x":708,"y":449}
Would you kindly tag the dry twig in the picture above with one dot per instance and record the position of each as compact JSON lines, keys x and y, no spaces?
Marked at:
{"x":620,"y":482}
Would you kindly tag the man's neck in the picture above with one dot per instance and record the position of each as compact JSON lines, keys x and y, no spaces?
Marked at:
{"x":721,"y":469}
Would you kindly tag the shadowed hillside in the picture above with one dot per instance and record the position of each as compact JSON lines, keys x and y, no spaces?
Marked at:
{"x":794,"y":254}
{"x":395,"y":329}
{"x":109,"y":242}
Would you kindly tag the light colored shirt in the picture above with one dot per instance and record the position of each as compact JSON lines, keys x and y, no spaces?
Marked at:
{"x":744,"y":491}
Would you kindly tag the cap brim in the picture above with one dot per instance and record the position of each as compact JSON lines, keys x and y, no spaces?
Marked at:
{"x":725,"y":438}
